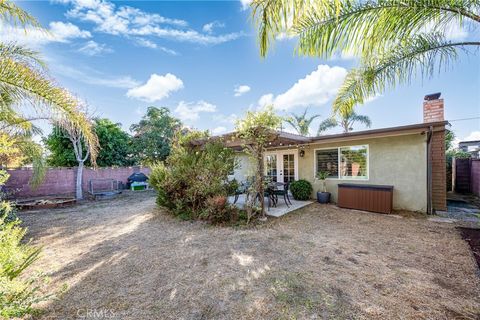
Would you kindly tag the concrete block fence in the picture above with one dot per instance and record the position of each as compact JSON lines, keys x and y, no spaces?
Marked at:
{"x":61,"y":181}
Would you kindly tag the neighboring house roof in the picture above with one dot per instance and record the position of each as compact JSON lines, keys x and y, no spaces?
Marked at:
{"x":473,"y":143}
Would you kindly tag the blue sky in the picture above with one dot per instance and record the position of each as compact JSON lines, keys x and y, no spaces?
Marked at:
{"x":201,"y":60}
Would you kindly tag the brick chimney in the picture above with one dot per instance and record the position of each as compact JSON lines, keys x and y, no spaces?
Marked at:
{"x":433,"y":111}
{"x":433,"y":108}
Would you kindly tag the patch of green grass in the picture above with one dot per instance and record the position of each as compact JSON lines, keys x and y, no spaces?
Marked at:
{"x":299,"y":297}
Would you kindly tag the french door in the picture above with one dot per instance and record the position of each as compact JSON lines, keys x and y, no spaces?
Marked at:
{"x":282,"y":166}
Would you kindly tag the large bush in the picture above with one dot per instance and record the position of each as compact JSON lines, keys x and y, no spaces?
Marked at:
{"x":193,"y":181}
{"x":301,"y":189}
{"x":17,"y":292}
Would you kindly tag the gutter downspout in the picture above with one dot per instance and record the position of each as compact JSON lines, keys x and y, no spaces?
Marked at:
{"x":429,"y":171}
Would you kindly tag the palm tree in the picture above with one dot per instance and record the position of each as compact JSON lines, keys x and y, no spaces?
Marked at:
{"x":301,"y":123}
{"x":23,"y":79}
{"x":395,"y":40}
{"x":346,"y":121}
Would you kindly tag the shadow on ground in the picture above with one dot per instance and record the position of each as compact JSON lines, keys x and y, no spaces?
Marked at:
{"x":129,"y":259}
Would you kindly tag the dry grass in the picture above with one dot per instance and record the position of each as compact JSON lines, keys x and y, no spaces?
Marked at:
{"x":130,"y":258}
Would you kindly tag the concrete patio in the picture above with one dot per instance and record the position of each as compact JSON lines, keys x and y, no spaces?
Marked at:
{"x":277,"y":211}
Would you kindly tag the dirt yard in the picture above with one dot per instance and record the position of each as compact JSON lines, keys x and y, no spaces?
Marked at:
{"x":127,"y":259}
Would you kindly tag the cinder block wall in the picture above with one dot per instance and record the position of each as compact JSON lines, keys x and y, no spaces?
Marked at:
{"x":61,"y":181}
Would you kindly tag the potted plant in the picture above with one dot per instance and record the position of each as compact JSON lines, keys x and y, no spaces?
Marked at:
{"x":323,"y":196}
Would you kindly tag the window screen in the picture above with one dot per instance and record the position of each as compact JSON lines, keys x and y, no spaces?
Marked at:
{"x":327,"y":160}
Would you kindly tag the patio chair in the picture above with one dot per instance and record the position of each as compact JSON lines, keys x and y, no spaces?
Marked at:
{"x":283,"y":193}
{"x":268,"y":193}
{"x":242,"y":188}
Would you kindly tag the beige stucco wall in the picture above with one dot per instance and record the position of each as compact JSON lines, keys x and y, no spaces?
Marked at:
{"x":399,"y":161}
{"x":245,"y":167}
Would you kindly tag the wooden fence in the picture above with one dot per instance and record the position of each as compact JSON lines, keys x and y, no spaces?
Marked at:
{"x":466,"y":177}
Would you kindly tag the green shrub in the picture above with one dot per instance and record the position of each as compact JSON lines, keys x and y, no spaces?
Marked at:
{"x":18,"y":293}
{"x":301,"y":189}
{"x":232,"y":187}
{"x":192,"y":175}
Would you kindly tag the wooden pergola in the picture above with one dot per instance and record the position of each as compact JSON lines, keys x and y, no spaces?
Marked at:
{"x":278,"y":139}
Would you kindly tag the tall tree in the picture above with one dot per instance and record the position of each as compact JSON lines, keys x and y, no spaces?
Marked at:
{"x":153,"y":135}
{"x":256,"y":129}
{"x":395,"y":40}
{"x":81,"y":152}
{"x":346,"y":120}
{"x":115,"y":146}
{"x":301,"y":123}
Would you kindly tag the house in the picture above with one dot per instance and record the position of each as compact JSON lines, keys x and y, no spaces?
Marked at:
{"x":410,"y":158}
{"x":472,"y":147}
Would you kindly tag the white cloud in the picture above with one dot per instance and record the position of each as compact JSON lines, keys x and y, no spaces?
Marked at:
{"x":110,"y":19}
{"x":240,"y":90}
{"x":266,"y":100}
{"x":474,"y":135}
{"x":128,"y":21}
{"x":169,"y":51}
{"x":285,"y":36}
{"x":184,"y":35}
{"x":152,"y":45}
{"x":230,"y":119}
{"x":208,"y":28}
{"x":146,"y":43}
{"x":219,"y":130}
{"x":315,"y":89}
{"x":245,"y":4}
{"x":455,"y":32}
{"x":66,"y":31}
{"x":372,"y":98}
{"x":94,"y":77}
{"x":92,"y":48}
{"x":190,"y":111}
{"x":58,"y":32}
{"x":156,"y":88}
{"x":452,"y":31}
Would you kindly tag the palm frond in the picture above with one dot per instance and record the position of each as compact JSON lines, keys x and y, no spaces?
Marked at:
{"x":25,"y":83}
{"x":11,"y":13}
{"x":294,"y":123}
{"x":423,"y":54}
{"x":34,"y":152}
{"x":273,"y":17}
{"x":365,"y":120}
{"x":22,"y":54}
{"x":367,"y":28}
{"x":301,"y":123}
{"x":327,"y":124}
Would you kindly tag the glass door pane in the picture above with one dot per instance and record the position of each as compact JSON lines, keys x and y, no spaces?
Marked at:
{"x":271,"y":167}
{"x":288,"y":168}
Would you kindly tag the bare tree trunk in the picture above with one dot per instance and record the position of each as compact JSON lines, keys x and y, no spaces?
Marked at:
{"x":77,"y":149}
{"x":345,"y":126}
{"x":78,"y":186}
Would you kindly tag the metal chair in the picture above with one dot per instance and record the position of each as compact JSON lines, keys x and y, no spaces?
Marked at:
{"x":283,"y":193}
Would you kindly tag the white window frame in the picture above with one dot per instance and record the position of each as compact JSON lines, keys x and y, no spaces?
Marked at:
{"x":367,"y":178}
{"x":279,"y":154}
